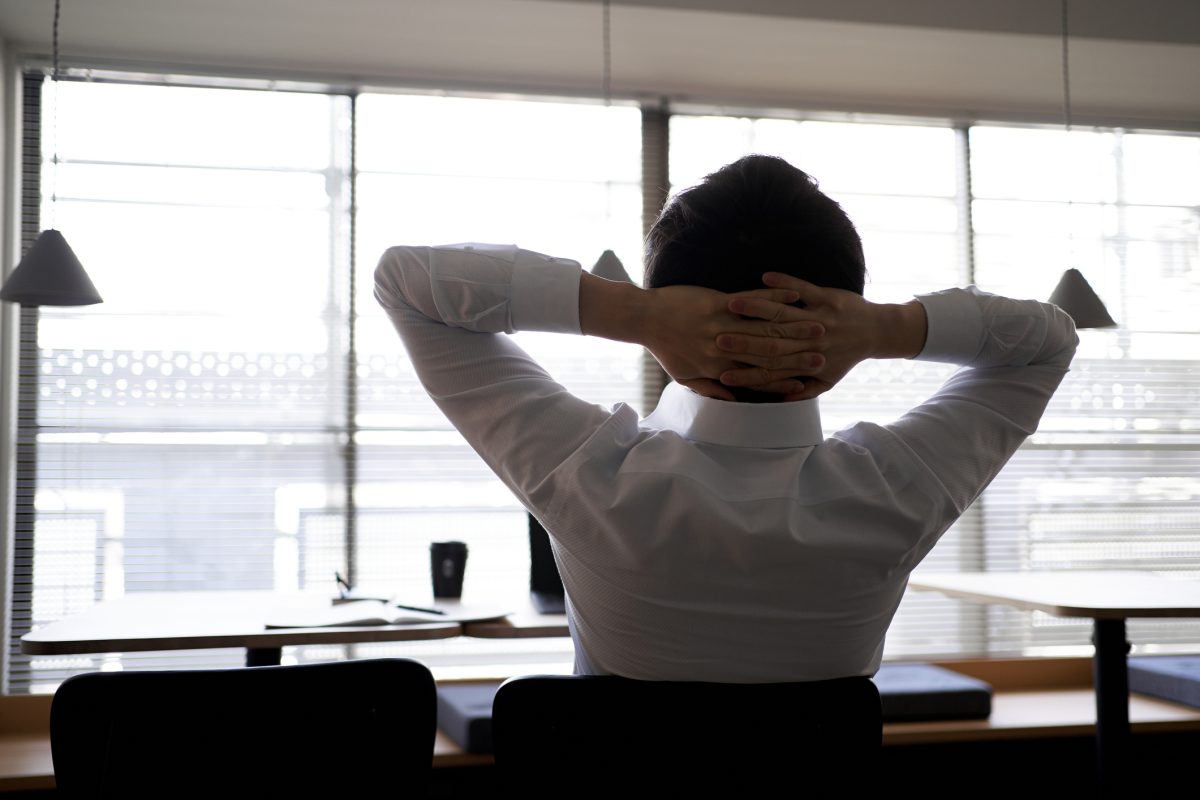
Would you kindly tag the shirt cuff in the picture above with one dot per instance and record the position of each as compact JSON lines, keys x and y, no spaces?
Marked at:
{"x":955,"y":333}
{"x":545,"y":294}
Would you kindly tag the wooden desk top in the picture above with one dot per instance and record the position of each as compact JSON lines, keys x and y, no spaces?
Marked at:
{"x":197,"y":620}
{"x":524,"y":623}
{"x":1099,"y":595}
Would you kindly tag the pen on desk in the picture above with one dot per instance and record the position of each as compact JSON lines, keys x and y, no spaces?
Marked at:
{"x":419,"y":608}
{"x":343,"y":586}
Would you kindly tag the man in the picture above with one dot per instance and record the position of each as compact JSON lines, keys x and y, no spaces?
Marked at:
{"x":723,"y":538}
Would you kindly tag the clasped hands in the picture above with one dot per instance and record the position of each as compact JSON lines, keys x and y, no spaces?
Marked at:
{"x":710,"y":341}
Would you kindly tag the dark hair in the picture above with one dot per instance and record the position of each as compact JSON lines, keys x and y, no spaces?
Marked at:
{"x":758,"y":214}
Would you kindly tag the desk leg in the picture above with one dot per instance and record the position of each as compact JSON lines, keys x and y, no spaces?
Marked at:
{"x":1110,"y":670}
{"x":263,"y":656}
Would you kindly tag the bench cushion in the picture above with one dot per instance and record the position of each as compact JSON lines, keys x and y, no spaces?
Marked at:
{"x":465,"y":714}
{"x":1174,"y":678}
{"x":914,"y":692}
{"x":908,"y":692}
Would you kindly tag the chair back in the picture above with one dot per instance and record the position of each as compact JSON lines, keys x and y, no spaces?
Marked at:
{"x":614,"y":735}
{"x":346,"y":727}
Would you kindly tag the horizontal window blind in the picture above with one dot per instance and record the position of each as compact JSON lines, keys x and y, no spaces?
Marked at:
{"x":1110,"y":481}
{"x":204,"y":399}
{"x":192,"y":432}
{"x":1112,"y":478}
{"x":557,"y":178}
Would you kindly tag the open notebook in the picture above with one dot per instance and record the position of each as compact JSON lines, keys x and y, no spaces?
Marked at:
{"x":378,"y":612}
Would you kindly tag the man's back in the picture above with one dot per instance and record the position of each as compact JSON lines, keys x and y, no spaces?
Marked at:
{"x":699,"y":559}
{"x":718,"y":540}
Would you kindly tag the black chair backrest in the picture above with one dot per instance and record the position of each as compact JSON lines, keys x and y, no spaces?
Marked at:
{"x":607,"y":734}
{"x":343,"y":727}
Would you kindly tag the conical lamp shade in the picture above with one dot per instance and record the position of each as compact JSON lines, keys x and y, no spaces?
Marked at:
{"x":50,"y":275}
{"x":1074,"y":295}
{"x":609,"y":267}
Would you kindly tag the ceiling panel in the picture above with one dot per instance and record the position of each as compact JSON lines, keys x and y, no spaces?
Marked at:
{"x":683,"y":50}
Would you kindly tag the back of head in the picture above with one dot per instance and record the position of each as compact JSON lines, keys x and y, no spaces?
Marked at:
{"x":755,"y":215}
{"x":758,"y":214}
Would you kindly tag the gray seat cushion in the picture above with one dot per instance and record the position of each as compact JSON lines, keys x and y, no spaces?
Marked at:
{"x":908,"y":692}
{"x":913,"y":692}
{"x":1175,"y":678}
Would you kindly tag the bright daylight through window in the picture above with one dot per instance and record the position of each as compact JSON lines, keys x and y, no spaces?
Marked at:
{"x":194,"y":428}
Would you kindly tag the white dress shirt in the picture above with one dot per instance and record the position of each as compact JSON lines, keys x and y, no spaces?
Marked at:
{"x":720,"y":541}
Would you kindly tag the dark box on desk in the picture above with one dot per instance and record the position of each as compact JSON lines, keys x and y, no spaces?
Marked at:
{"x":465,"y":714}
{"x":1174,"y":678}
{"x":917,"y":692}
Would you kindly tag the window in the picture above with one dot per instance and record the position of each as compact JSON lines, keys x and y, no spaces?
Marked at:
{"x":1112,"y":478}
{"x":558,"y":178}
{"x":1109,"y":481}
{"x":178,"y":418}
{"x":199,"y":429}
{"x":193,"y":429}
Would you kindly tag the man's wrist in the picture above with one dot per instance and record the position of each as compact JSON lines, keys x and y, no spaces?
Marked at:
{"x":902,"y":330}
{"x":612,"y":309}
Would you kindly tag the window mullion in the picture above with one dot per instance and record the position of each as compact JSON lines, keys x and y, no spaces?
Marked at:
{"x":965,"y":199}
{"x":350,"y":453}
{"x":656,"y":186}
{"x":20,"y":612}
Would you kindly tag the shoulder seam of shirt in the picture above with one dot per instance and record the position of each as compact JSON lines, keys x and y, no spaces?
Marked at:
{"x":558,"y":499}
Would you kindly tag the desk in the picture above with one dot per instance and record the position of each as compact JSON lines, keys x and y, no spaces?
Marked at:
{"x":195,"y":620}
{"x":525,"y":623}
{"x":1108,"y":599}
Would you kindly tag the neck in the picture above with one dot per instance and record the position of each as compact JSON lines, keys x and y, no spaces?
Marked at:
{"x":743,"y":395}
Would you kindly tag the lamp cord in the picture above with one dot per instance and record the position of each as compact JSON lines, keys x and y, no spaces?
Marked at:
{"x":1066,"y":70}
{"x":57,"y":12}
{"x":606,"y":6}
{"x":54,"y":123}
{"x":1066,"y":76}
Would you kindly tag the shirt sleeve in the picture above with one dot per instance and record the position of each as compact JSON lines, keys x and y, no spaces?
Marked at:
{"x":1014,"y":354}
{"x":450,"y":304}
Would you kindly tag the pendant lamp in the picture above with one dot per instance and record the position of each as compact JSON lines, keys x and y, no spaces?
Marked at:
{"x":1075,"y":296}
{"x":50,"y":274}
{"x":609,"y":267}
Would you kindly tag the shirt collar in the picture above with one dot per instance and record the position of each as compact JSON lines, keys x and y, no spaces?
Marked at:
{"x":704,"y":419}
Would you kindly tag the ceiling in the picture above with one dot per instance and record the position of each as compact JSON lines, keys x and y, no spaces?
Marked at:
{"x":1147,"y":21}
{"x":1130,"y":62}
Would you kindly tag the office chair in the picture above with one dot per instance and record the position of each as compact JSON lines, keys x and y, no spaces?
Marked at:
{"x":339,"y":729}
{"x":556,"y":734}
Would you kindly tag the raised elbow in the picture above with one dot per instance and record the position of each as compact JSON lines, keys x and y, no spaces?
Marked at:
{"x":1062,"y":330}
